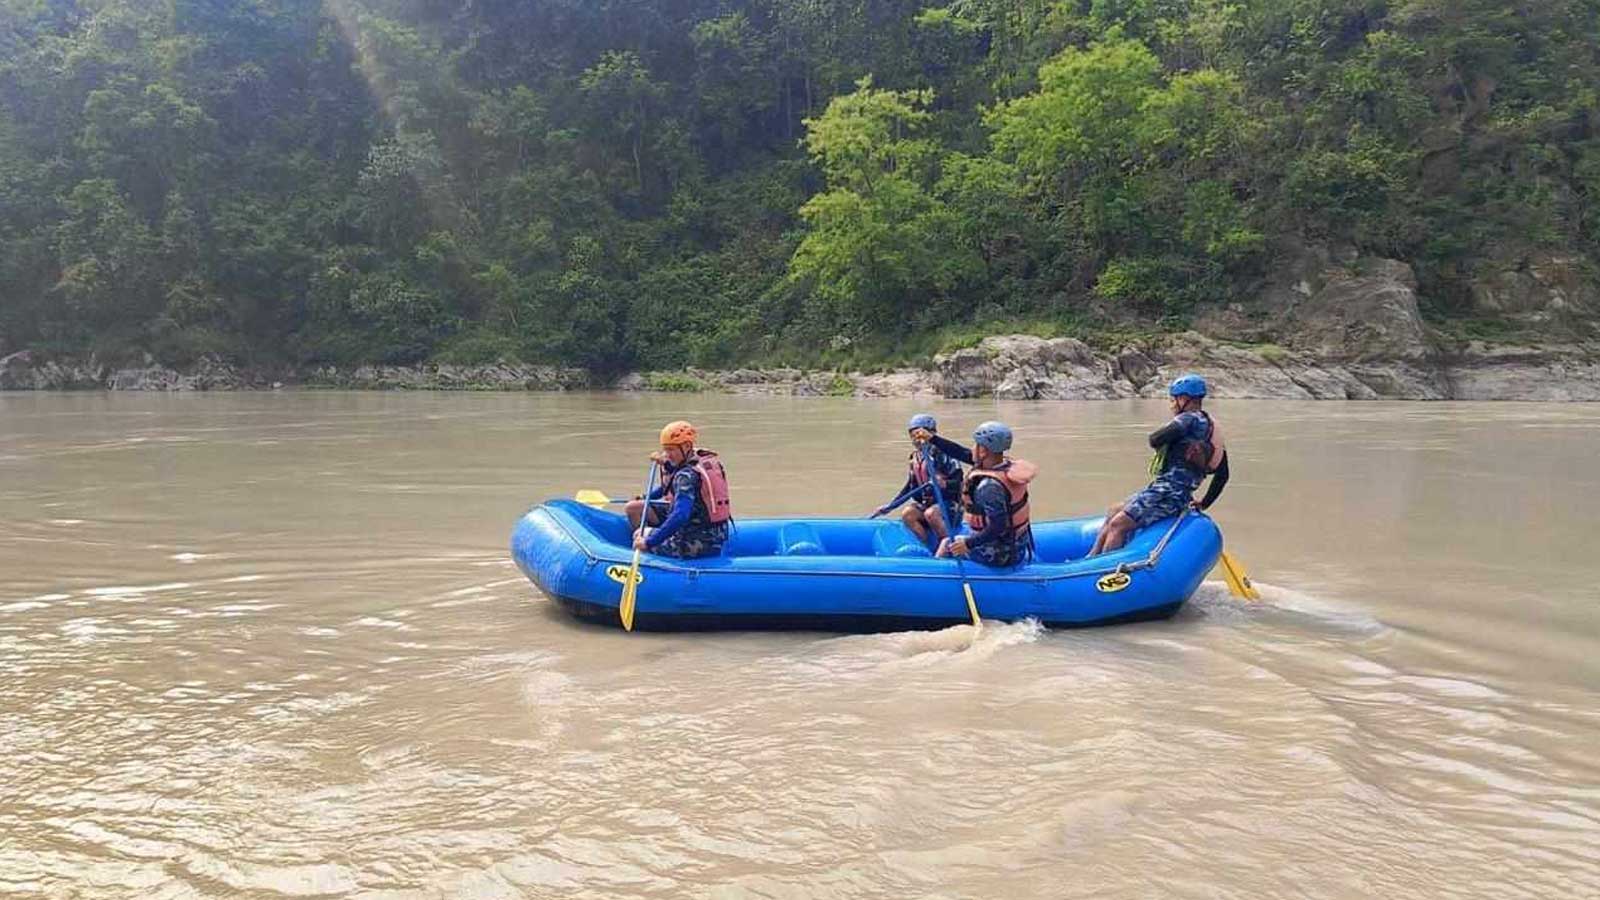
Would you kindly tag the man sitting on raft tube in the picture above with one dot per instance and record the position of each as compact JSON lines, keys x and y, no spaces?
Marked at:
{"x":693,"y":489}
{"x":926,"y":463}
{"x":1187,"y":449}
{"x":996,"y":498}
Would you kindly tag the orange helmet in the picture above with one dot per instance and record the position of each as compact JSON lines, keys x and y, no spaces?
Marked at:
{"x":676,"y":433}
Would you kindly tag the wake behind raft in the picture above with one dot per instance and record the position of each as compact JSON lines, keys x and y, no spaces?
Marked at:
{"x":858,"y":575}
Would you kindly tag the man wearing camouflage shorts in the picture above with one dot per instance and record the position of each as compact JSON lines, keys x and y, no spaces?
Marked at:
{"x":1188,"y":449}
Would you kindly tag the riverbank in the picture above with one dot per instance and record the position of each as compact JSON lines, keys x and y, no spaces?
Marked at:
{"x":1327,"y":324}
{"x":1012,"y":367}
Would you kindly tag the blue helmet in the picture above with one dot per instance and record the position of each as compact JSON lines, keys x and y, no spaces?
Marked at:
{"x":1188,"y":386}
{"x":922,"y":420}
{"x":994,"y":437}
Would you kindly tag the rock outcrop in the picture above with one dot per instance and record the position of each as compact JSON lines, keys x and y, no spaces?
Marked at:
{"x":785,"y":382}
{"x":1538,"y":291}
{"x":1023,"y":367}
{"x":487,"y":377}
{"x":209,"y":374}
{"x":1558,"y":374}
{"x":1348,"y":328}
{"x":27,"y":371}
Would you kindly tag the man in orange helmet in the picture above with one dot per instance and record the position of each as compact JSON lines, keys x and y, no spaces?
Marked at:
{"x":694,"y":492}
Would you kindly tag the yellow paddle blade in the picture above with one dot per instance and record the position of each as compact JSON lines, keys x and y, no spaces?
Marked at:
{"x":1238,"y":582}
{"x":592,"y":497}
{"x":1234,"y":587}
{"x":972,"y":606}
{"x":630,"y":593}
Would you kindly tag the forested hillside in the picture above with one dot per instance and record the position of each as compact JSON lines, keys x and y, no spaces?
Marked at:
{"x":619,"y":184}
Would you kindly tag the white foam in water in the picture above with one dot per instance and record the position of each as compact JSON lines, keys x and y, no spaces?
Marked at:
{"x":993,"y":637}
{"x":129,"y":591}
{"x":1214,"y":602}
{"x":1327,"y":612}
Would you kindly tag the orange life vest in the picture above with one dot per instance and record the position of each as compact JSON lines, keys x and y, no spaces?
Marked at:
{"x":1014,"y":475}
{"x":713,"y":487}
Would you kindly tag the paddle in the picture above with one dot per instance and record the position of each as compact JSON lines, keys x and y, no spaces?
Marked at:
{"x":594,"y":498}
{"x":598,"y":499}
{"x":904,"y":496}
{"x":630,"y":588}
{"x":938,"y":496}
{"x":1239,"y":583}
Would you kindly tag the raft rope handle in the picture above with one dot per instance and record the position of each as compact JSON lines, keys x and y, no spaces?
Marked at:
{"x":1148,"y":562}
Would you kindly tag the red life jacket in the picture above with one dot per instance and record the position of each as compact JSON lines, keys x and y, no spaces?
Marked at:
{"x":1014,"y":475}
{"x":713,"y":487}
{"x":921,"y":474}
{"x":919,"y":468}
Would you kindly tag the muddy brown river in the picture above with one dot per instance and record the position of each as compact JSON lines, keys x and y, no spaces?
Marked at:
{"x":272,"y":645}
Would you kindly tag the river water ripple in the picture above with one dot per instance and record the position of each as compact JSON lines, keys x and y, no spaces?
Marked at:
{"x":271,"y":645}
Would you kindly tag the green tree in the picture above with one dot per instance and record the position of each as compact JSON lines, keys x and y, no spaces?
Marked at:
{"x":883,"y":248}
{"x":624,"y":105}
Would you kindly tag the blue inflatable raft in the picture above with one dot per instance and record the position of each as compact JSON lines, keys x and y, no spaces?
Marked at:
{"x":857,"y":575}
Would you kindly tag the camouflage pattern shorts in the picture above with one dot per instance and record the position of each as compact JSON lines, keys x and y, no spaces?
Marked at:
{"x":693,"y":543}
{"x":1161,"y":500}
{"x":1001,"y":554}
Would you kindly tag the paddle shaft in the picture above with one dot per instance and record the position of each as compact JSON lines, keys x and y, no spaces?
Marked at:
{"x":590,"y":497}
{"x":904,"y":496}
{"x":630,"y":588}
{"x":961,"y":569}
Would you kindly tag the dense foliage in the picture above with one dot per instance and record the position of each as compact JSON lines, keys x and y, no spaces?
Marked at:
{"x":650,"y":183}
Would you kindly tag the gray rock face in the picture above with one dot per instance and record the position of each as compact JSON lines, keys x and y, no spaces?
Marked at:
{"x":1023,"y":367}
{"x":23,"y":371}
{"x":487,"y":377}
{"x":209,"y":374}
{"x":1368,"y":314}
{"x":1538,"y":290}
{"x":789,"y":382}
{"x":1008,"y":367}
{"x":1525,"y":373}
{"x":904,"y":383}
{"x":1032,"y":369}
{"x":1135,"y":367}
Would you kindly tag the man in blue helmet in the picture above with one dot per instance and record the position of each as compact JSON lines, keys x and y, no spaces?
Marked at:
{"x":995,"y":493}
{"x":1187,"y":449}
{"x":927,"y":463}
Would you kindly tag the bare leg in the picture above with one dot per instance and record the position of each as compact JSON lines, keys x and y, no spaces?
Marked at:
{"x":1113,"y":534}
{"x":1105,"y":529}
{"x":935,"y":519}
{"x":912,"y":517}
{"x":635,"y":510}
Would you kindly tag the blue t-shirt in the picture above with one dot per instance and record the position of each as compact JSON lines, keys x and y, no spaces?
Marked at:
{"x":685,"y":493}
